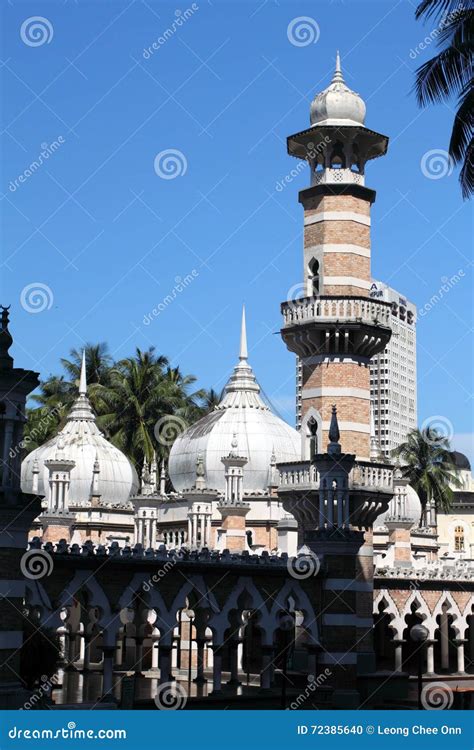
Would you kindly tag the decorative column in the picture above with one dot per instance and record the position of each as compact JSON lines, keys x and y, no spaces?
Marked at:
{"x":444,"y":640}
{"x":107,"y":672}
{"x":217,"y":669}
{"x":232,"y":535}
{"x":266,"y":673}
{"x":459,"y":642}
{"x":430,"y":658}
{"x":398,"y":655}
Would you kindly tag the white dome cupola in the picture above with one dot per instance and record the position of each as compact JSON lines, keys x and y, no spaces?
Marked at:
{"x":81,"y":444}
{"x":337,"y":104}
{"x":241,"y":416}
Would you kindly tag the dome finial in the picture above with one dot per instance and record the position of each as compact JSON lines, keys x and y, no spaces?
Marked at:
{"x":337,"y":77}
{"x":243,"y":354}
{"x":83,"y":380}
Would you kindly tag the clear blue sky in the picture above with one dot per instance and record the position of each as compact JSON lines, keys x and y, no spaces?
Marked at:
{"x":108,"y":236}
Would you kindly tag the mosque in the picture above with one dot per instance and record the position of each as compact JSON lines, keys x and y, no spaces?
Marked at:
{"x":196,"y":568}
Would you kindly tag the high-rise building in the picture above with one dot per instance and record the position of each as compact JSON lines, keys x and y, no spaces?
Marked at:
{"x":393,"y":373}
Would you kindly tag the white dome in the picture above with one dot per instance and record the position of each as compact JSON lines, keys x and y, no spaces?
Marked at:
{"x":338,"y":104}
{"x":81,"y":441}
{"x":412,"y":508}
{"x":242,"y":413}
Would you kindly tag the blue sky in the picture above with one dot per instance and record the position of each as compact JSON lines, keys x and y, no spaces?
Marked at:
{"x":108,"y":237}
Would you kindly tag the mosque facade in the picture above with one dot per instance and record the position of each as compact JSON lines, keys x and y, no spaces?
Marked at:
{"x":256,"y":540}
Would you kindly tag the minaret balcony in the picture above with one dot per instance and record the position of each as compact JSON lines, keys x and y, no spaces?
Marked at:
{"x":336,"y":325}
{"x":370,"y":489}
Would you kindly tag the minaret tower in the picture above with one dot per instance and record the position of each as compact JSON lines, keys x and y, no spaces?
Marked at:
{"x":336,"y":328}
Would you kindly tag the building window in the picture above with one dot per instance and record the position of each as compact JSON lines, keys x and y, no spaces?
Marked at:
{"x":458,"y":539}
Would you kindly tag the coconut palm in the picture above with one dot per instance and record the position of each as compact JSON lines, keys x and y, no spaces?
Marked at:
{"x":53,"y":402}
{"x":147,"y":406}
{"x":98,"y":363}
{"x":428,"y":465}
{"x":448,"y":74}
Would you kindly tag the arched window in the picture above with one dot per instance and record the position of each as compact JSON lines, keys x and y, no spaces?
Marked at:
{"x":459,"y":539}
{"x":313,"y":268}
{"x":313,"y":437}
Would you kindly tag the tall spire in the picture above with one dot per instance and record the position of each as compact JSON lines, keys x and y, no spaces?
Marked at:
{"x":243,"y":354}
{"x":83,"y":380}
{"x":337,"y":77}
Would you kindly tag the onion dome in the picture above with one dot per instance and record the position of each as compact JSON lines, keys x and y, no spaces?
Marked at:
{"x":338,"y":104}
{"x":81,"y":442}
{"x":243,"y":417}
{"x":460,"y":461}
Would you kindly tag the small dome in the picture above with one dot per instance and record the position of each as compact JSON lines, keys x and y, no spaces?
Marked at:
{"x":338,"y":104}
{"x":242,"y":417}
{"x":81,"y":441}
{"x":460,"y":461}
{"x":413,"y":508}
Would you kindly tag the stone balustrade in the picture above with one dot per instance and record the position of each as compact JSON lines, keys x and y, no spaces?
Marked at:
{"x":160,"y":554}
{"x":325,"y":308}
{"x":365,"y":474}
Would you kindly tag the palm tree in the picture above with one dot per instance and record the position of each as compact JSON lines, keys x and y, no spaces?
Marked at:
{"x":53,"y":402}
{"x":449,"y":74}
{"x":142,"y":393}
{"x":211,"y":399}
{"x":98,"y":363}
{"x":428,"y":465}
